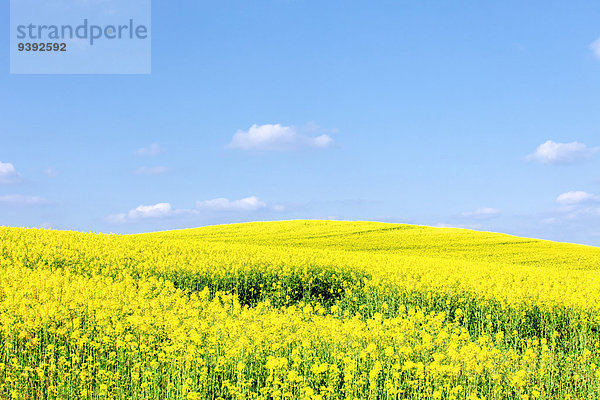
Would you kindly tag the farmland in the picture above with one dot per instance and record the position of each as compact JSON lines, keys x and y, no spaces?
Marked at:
{"x":297,"y":310}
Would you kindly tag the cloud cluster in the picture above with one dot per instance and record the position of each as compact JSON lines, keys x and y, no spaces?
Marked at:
{"x":204,"y":208}
{"x":160,"y":210}
{"x":578,"y":214}
{"x":276,"y":137}
{"x":561,"y":153}
{"x":8,"y":173}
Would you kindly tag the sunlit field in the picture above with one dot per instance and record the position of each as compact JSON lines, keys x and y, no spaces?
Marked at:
{"x":297,"y":310}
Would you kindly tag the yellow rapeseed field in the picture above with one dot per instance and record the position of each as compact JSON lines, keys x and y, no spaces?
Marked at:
{"x":297,"y":310}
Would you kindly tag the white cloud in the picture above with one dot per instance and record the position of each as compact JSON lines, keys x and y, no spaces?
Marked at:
{"x":595,"y":46}
{"x":21,"y":200}
{"x":151,"y":170}
{"x":160,"y":210}
{"x":219,"y":210}
{"x":557,"y":153}
{"x":153,"y":150}
{"x":8,"y":173}
{"x":577,"y":197}
{"x":204,"y":209}
{"x":252,"y":203}
{"x":276,"y":137}
{"x":482,"y":213}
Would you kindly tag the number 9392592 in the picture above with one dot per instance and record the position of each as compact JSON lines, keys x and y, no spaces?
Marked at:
{"x":42,"y":47}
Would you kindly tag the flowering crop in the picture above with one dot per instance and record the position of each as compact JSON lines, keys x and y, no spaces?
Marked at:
{"x":297,"y":310}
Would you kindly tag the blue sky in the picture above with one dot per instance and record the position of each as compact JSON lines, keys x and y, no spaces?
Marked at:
{"x":478,"y":114}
